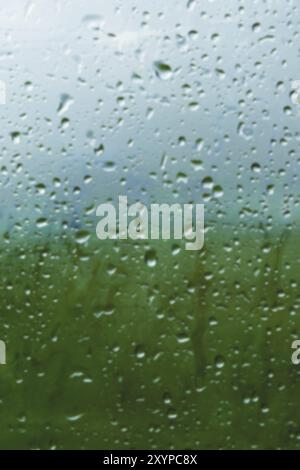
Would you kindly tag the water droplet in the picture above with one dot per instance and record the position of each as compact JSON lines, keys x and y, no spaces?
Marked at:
{"x":151,"y":258}
{"x":82,"y":236}
{"x":162,"y":70}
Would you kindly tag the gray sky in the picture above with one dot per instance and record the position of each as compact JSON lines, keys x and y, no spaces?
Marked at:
{"x":162,"y":101}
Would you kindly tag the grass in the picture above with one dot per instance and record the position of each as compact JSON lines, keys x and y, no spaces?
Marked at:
{"x":193,"y":350}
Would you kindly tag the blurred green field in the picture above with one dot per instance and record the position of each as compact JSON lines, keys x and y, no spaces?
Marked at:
{"x":132,"y":345}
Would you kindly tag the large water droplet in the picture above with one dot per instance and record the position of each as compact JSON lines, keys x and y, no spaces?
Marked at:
{"x":162,"y":70}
